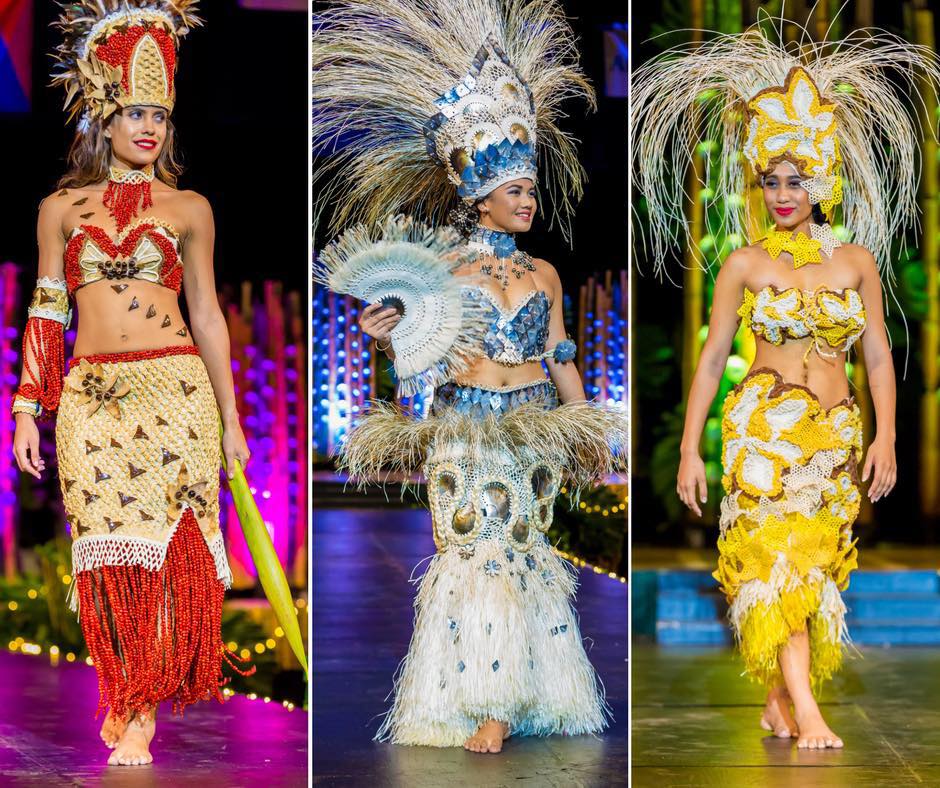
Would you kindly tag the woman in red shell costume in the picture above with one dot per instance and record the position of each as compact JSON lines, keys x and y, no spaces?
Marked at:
{"x":137,"y":429}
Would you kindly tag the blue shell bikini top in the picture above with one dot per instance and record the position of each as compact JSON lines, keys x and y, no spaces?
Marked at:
{"x":518,"y":335}
{"x":513,"y":337}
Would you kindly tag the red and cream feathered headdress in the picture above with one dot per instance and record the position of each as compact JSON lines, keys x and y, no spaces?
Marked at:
{"x":120,"y":53}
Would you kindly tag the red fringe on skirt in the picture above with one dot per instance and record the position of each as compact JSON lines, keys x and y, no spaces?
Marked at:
{"x":156,"y":636}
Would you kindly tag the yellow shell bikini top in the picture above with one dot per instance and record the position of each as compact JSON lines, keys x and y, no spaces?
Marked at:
{"x":834,"y":319}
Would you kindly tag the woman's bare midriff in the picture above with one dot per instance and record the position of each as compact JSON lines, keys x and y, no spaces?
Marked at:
{"x":824,"y":376}
{"x":486,"y":373}
{"x":124,"y":315}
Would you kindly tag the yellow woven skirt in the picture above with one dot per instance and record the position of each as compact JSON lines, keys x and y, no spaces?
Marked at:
{"x":137,"y":441}
{"x":786,"y":546}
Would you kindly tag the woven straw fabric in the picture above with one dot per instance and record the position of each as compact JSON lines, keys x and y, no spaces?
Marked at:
{"x":121,"y":466}
{"x":149,"y":83}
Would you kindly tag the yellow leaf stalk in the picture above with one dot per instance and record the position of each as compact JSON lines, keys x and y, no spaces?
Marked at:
{"x":270,"y":572}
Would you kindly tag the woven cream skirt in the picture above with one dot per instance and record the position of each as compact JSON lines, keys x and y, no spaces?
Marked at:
{"x":137,"y":439}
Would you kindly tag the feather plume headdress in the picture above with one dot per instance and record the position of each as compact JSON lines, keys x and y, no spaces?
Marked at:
{"x":414,"y":98}
{"x":836,"y":110}
{"x":120,"y":53}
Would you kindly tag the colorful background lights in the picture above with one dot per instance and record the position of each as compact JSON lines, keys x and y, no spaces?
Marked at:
{"x":343,"y":368}
{"x":268,"y":364}
{"x":602,"y":337}
{"x":9,"y":380}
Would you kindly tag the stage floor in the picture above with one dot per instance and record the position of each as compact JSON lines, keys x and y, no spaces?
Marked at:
{"x":48,"y":737}
{"x":362,"y":618}
{"x":695,"y":722}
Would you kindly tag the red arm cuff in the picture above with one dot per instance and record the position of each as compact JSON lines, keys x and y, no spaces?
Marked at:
{"x":44,"y":360}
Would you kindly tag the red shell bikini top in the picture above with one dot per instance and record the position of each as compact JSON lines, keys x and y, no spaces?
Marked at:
{"x":148,"y":249}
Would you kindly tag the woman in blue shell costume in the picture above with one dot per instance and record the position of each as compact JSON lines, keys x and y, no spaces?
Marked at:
{"x":496,"y":649}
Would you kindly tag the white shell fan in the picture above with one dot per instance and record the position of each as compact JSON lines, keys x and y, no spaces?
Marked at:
{"x":410,"y":266}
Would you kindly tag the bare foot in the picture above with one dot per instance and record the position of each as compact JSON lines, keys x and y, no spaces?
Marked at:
{"x":814,"y":733}
{"x":488,"y":738}
{"x":133,"y":749}
{"x":111,"y":730}
{"x":777,"y":716}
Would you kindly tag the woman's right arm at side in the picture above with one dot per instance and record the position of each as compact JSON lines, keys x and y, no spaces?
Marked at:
{"x":691,"y":484}
{"x":51,"y":242}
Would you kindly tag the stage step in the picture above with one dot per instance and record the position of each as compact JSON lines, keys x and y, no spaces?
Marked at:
{"x":896,"y":633}
{"x":690,"y":610}
{"x":902,"y":581}
{"x":338,"y":494}
{"x":693,"y":633}
{"x":886,"y":607}
{"x":689,"y":605}
{"x":868,"y":607}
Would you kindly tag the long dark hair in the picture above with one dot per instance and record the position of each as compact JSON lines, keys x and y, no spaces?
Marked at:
{"x":90,"y":157}
{"x":818,"y":216}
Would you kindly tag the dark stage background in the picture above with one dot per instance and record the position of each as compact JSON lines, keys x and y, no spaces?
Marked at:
{"x":241,"y":119}
{"x":657,"y":315}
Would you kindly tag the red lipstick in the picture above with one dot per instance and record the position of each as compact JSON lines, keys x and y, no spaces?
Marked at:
{"x":783,"y":211}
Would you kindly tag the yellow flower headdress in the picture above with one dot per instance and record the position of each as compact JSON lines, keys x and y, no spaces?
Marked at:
{"x":793,"y":123}
{"x":837,"y":110}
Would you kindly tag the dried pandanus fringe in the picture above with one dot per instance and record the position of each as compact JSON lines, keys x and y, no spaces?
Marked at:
{"x":693,"y":93}
{"x":379,"y":65}
{"x":587,"y":440}
{"x":386,"y":443}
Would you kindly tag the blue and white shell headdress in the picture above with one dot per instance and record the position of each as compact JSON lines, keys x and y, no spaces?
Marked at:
{"x":485,"y":132}
{"x":414,"y":98}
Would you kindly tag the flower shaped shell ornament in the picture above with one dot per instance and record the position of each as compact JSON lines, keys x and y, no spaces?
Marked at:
{"x":98,"y":391}
{"x":185,"y":493}
{"x":102,"y":87}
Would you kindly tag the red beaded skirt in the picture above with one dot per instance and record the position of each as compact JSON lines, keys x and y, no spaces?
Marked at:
{"x":137,"y":441}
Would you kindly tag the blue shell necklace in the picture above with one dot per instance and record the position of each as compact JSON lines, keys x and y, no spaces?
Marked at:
{"x":495,"y":243}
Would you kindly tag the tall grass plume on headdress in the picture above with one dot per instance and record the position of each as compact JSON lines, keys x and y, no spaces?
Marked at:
{"x":394,"y":113}
{"x":868,"y":84}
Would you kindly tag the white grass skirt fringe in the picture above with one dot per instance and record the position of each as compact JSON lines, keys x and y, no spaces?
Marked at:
{"x":495,"y":638}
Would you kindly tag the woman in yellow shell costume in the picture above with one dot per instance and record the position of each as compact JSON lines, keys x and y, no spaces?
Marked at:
{"x":137,"y":430}
{"x":792,"y":435}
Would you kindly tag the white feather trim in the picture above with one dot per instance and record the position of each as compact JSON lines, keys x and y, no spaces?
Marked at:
{"x":502,"y":644}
